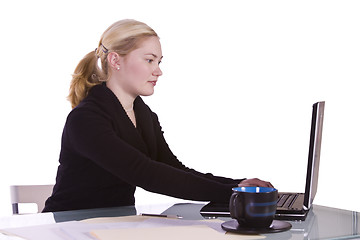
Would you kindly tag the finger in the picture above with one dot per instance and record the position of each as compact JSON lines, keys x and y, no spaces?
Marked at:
{"x":267,"y":184}
{"x":255,"y":182}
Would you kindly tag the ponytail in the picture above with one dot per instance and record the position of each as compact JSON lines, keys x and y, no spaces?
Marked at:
{"x":86,"y":75}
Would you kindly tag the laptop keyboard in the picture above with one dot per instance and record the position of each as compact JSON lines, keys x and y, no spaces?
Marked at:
{"x":286,"y":200}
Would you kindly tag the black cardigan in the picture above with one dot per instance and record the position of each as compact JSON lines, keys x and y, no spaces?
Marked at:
{"x":104,"y":157}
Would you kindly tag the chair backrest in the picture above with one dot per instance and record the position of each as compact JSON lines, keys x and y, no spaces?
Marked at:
{"x":29,"y":194}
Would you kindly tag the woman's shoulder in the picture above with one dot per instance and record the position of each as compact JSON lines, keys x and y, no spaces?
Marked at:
{"x":99,"y":99}
{"x":91,"y":108}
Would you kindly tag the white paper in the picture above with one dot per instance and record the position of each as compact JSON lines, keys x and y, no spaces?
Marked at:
{"x":80,"y":230}
{"x":164,"y":222}
{"x":41,"y":232}
{"x":26,"y":220}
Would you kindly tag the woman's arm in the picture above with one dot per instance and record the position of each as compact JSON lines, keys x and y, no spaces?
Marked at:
{"x":92,"y":136}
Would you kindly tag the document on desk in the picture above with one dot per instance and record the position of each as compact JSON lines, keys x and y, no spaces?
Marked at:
{"x":135,"y":227}
{"x":73,"y":230}
{"x":82,"y":232}
{"x":41,"y":232}
{"x":173,"y":233}
{"x":168,"y":228}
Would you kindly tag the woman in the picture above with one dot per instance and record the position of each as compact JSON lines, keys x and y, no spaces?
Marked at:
{"x":112,"y":141}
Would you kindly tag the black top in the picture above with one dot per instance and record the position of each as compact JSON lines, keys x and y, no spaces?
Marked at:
{"x":104,"y":157}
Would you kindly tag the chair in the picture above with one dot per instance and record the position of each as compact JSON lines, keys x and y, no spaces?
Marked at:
{"x":29,"y":194}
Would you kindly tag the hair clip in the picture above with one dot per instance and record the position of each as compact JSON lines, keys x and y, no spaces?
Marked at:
{"x":105,"y":50}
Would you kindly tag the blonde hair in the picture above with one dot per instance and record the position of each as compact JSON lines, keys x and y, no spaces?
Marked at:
{"x":121,"y":37}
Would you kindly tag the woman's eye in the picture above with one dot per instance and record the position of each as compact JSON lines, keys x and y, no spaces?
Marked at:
{"x":150,"y":60}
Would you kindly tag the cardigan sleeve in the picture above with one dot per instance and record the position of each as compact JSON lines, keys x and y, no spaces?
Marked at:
{"x":166,"y":156}
{"x":92,"y":136}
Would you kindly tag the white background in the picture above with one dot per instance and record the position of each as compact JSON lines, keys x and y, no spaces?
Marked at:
{"x":235,"y":99}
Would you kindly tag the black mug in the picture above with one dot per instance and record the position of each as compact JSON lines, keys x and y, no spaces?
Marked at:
{"x":253,"y":207}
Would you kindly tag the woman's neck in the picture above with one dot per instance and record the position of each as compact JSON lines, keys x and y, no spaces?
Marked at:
{"x":126,"y":100}
{"x":128,"y":107}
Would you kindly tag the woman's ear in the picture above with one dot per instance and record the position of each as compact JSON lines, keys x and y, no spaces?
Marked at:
{"x":113,"y":60}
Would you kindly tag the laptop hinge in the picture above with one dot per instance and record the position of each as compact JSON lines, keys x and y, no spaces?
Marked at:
{"x":305,"y":208}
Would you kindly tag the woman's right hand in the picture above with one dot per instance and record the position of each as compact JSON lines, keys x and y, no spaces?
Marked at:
{"x":254,"y":182}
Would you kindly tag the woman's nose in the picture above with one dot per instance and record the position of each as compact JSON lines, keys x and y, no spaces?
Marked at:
{"x":157,"y":72}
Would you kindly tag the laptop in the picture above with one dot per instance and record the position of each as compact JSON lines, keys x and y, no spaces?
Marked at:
{"x":291,"y":206}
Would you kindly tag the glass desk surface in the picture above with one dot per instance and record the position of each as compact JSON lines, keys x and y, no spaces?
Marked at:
{"x":321,"y":222}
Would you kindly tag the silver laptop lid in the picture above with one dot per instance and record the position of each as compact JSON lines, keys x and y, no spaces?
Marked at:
{"x":314,"y":154}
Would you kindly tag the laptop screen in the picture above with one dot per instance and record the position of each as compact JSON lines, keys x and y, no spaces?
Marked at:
{"x":305,"y":201}
{"x":314,"y":153}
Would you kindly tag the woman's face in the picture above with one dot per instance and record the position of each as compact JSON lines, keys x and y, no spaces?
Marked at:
{"x":139,"y":70}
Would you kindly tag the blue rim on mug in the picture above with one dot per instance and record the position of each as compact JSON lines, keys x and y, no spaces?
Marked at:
{"x":254,"y":189}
